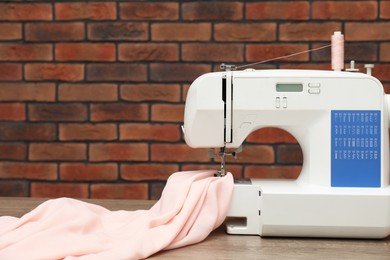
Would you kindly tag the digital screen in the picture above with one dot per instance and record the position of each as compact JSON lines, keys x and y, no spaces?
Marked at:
{"x":289,"y":87}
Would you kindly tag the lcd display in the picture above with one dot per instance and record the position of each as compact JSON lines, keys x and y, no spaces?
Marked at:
{"x":289,"y":87}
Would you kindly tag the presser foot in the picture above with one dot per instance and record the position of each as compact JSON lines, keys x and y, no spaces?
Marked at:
{"x":222,"y":154}
{"x":221,"y":172}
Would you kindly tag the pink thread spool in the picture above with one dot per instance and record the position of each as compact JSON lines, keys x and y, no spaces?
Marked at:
{"x":337,"y":51}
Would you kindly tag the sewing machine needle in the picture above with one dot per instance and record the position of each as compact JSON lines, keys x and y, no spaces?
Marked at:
{"x":222,"y":153}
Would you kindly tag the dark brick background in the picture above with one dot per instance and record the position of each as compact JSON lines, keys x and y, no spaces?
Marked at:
{"x":92,"y":92}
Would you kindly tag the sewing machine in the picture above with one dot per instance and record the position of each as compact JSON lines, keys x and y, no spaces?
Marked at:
{"x":340,"y":120}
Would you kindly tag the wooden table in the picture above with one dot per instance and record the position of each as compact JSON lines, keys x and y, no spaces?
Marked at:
{"x":222,"y":246}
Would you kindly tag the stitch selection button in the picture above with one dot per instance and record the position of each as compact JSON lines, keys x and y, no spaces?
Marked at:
{"x":284,"y":102}
{"x":314,"y":85}
{"x":277,"y":102}
{"x":314,"y":91}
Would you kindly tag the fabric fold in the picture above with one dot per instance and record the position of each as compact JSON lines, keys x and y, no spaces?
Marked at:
{"x":192,"y":205}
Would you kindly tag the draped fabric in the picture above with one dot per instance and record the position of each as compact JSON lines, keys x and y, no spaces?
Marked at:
{"x":192,"y":204}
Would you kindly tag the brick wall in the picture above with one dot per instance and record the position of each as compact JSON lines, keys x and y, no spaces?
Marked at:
{"x":92,"y":93}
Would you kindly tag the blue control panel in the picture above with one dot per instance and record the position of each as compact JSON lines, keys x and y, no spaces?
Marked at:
{"x":356,"y":148}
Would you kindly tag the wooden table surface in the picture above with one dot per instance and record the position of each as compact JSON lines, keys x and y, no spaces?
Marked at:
{"x":219,"y":245}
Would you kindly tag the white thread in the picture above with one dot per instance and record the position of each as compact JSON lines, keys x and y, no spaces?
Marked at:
{"x":337,"y":51}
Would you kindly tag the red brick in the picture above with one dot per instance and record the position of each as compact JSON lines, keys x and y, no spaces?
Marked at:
{"x":167,"y":113}
{"x":87,"y":92}
{"x":85,"y":52}
{"x":150,"y":132}
{"x":148,"y":52}
{"x":150,"y":92}
{"x":270,"y":135}
{"x":344,"y":10}
{"x":14,"y":188}
{"x":32,"y":171}
{"x":10,"y":31}
{"x":11,"y":151}
{"x":57,"y":151}
{"x":267,"y":10}
{"x":81,"y":132}
{"x":308,"y":31}
{"x":178,"y":153}
{"x":386,"y":87}
{"x":235,"y":170}
{"x":133,"y":191}
{"x":54,"y":32}
{"x":185,"y":87}
{"x":26,"y":52}
{"x":117,"y":31}
{"x":254,"y":154}
{"x":27,"y":132}
{"x":385,"y":51}
{"x":382,"y":72}
{"x":181,"y":32}
{"x":367,"y":31}
{"x":118,"y":152}
{"x":88,"y":172}
{"x":116,"y":72}
{"x":12,"y":112}
{"x":57,"y":112}
{"x":240,"y":32}
{"x":119,"y":112}
{"x":257,"y":52}
{"x":272,"y":172}
{"x":48,"y":71}
{"x":57,"y":190}
{"x":289,"y":154}
{"x":385,"y":9}
{"x":212,"y":10}
{"x":177,"y":72}
{"x":149,"y":11}
{"x":27,"y":91}
{"x":364,"y":51}
{"x":212,"y":52}
{"x":85,"y":11}
{"x":25,"y":12}
{"x":10,"y":71}
{"x":150,"y":172}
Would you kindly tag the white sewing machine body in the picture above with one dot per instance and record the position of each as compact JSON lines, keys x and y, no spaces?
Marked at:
{"x":340,"y":119}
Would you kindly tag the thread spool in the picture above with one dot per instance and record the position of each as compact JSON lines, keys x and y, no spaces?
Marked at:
{"x":337,"y":51}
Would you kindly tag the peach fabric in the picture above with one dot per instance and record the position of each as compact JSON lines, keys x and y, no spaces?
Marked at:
{"x":192,"y":204}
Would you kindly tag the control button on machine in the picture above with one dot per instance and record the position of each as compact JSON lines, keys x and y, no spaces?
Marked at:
{"x":314,"y":85}
{"x":277,"y":102}
{"x":314,"y":91}
{"x":284,"y":102}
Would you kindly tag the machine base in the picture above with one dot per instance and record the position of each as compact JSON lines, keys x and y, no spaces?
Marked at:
{"x":294,"y":209}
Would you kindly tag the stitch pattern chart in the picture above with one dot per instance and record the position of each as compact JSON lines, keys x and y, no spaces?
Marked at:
{"x":356,"y":150}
